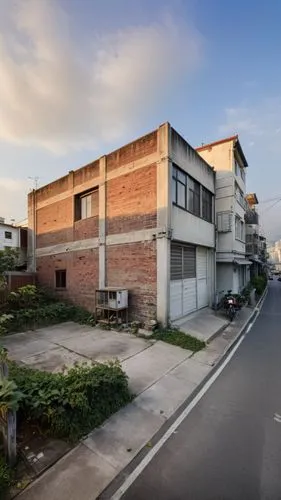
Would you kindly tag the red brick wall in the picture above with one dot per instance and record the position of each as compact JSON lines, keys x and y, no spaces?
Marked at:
{"x":86,"y":173}
{"x":55,"y":223}
{"x":134,"y":266}
{"x":131,"y":204}
{"x":131,"y":201}
{"x":81,"y":275}
{"x":57,"y":187}
{"x":131,"y":152}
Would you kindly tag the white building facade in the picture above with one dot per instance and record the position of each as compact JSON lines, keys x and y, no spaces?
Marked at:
{"x":14,"y":237}
{"x":192,"y":223}
{"x":232,"y":266}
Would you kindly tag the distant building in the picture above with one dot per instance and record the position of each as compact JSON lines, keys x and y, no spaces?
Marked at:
{"x":255,"y":241}
{"x":227,"y":158}
{"x":12,"y":236}
{"x":274,"y":255}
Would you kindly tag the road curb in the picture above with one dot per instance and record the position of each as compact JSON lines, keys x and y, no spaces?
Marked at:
{"x":114,"y":485}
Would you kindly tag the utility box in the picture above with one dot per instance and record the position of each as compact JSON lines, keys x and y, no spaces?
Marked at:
{"x":111,"y":300}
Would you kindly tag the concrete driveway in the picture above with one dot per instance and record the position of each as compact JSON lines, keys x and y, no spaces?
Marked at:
{"x":52,"y":348}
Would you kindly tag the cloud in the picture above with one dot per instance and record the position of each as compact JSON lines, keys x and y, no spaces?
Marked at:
{"x":60,"y":90}
{"x":13,"y":197}
{"x":259,"y":126}
{"x":261,"y":120}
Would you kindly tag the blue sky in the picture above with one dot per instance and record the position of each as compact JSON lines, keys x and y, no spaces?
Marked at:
{"x":79,"y":78}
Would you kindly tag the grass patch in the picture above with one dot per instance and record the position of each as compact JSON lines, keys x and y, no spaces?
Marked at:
{"x":176,"y":337}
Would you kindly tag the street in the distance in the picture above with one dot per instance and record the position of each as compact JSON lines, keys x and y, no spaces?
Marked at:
{"x":229,"y":446}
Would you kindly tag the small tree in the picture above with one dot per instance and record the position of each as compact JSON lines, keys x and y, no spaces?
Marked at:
{"x":8,"y":259}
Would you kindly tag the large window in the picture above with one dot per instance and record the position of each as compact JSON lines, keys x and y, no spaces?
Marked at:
{"x":60,"y":278}
{"x":207,"y":205}
{"x":186,"y":193}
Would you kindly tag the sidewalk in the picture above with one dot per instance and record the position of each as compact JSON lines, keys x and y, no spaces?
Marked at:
{"x":89,"y":468}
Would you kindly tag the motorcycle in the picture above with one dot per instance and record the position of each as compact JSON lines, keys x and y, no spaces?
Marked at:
{"x":231,"y":305}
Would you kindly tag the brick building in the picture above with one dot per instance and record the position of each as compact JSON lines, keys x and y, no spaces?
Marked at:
{"x":141,"y":218}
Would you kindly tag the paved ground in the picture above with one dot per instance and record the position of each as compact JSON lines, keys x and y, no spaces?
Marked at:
{"x":204,"y":324}
{"x":162,"y":376}
{"x":229,"y":446}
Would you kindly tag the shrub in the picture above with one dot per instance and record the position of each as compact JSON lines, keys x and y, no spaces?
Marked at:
{"x":50,"y":314}
{"x":5,"y":476}
{"x":70,"y":404}
{"x":180,"y":339}
{"x":259,"y":283}
{"x":9,"y":396}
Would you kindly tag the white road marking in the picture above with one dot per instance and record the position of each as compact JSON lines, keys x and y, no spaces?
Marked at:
{"x":249,"y":328}
{"x":277,"y":420}
{"x":147,"y":459}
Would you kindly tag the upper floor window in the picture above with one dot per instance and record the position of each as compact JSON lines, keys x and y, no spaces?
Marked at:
{"x":239,"y":229}
{"x":86,"y":205}
{"x":237,"y":167}
{"x":207,"y":205}
{"x":186,"y":193}
{"x":194,"y":197}
{"x":8,"y":235}
{"x":242,"y":173}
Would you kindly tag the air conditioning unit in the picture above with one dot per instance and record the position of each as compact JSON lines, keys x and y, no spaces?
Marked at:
{"x":118,"y":299}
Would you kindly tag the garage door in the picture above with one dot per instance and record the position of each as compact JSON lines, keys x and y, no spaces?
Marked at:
{"x":202,"y":277}
{"x":183,"y":280}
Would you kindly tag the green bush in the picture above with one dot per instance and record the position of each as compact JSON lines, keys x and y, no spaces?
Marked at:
{"x":50,"y":314}
{"x":5,"y":476}
{"x":180,"y":339}
{"x":259,"y":283}
{"x":70,"y":404}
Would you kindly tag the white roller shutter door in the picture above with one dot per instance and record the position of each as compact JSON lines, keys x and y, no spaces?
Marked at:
{"x":183,"y":280}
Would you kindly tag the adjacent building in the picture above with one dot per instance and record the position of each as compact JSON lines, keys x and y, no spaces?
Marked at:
{"x":255,"y":242}
{"x":228,"y":160}
{"x":141,"y":218}
{"x":12,"y":236}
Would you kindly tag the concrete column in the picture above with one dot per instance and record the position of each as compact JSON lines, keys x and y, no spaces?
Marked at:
{"x":102,"y":219}
{"x":163,"y":223}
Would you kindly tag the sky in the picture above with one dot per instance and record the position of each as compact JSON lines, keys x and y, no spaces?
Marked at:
{"x":80,"y":78}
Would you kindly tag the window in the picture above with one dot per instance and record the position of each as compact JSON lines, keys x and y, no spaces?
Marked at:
{"x":86,"y":206}
{"x":194,"y":197}
{"x":179,"y":187}
{"x":207,"y":205}
{"x":239,"y":229}
{"x":237,"y":167}
{"x":185,"y":192}
{"x":239,"y":196}
{"x":8,"y":235}
{"x":242,"y":173}
{"x":61,"y":278}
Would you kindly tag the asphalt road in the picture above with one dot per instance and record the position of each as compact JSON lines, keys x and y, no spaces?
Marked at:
{"x":229,"y":446}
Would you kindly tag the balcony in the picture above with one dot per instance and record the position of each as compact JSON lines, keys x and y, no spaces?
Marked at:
{"x":251,"y":217}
